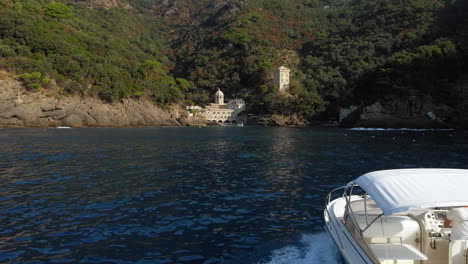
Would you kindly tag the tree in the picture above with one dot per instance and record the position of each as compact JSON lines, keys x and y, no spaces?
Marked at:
{"x":58,"y":10}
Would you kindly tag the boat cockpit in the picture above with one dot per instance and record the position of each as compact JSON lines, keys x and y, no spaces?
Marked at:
{"x":417,"y":236}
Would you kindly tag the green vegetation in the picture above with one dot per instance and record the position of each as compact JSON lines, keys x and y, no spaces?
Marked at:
{"x":33,"y":81}
{"x":341,"y":52}
{"x":103,"y":53}
{"x":58,"y":10}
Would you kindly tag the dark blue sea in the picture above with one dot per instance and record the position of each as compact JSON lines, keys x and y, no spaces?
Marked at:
{"x":190,"y":195}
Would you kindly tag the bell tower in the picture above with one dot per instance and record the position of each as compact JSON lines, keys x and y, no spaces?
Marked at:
{"x":282,"y":78}
{"x":219,"y":97}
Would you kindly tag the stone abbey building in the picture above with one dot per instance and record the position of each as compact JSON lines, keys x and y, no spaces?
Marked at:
{"x":221,"y":112}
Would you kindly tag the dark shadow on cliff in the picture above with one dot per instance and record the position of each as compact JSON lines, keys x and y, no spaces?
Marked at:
{"x":432,"y":73}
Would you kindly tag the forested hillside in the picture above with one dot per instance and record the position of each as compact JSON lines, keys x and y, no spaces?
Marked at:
{"x":180,"y":51}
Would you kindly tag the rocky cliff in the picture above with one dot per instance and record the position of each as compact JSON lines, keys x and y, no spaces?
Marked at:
{"x":413,"y":113}
{"x":42,"y":109}
{"x":277,"y":120}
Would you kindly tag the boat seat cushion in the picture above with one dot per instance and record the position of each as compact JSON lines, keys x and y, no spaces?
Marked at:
{"x":390,"y":227}
{"x":385,"y":229}
{"x":397,"y":252}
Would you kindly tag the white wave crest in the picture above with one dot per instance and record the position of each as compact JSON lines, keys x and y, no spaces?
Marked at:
{"x":317,"y":248}
{"x":398,"y":129}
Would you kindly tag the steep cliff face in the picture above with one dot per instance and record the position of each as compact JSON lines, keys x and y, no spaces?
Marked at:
{"x":412,"y":113}
{"x":19,"y":109}
{"x":182,"y":51}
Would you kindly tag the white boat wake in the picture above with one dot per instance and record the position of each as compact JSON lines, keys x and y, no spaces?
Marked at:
{"x":398,"y":129}
{"x":317,"y":248}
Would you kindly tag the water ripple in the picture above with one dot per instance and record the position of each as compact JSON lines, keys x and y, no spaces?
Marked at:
{"x":187,"y":195}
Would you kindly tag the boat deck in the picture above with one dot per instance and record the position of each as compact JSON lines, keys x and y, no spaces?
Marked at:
{"x":402,"y":231}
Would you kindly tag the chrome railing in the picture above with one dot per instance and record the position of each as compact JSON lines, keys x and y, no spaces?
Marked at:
{"x":329,"y":196}
{"x":347,"y":193}
{"x":331,"y":224}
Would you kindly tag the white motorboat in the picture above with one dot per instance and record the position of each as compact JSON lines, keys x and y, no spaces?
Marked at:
{"x":397,"y":216}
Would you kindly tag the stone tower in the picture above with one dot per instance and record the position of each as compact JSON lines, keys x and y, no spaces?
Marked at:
{"x":219,"y":97}
{"x":282,"y":78}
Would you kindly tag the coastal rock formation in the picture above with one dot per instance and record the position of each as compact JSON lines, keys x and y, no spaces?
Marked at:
{"x":72,"y":121}
{"x":413,"y":113}
{"x":192,"y":121}
{"x":278,"y":120}
{"x":43,"y":110}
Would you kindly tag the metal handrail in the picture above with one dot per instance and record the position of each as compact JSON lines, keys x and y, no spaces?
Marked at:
{"x":354,"y":220}
{"x":328,"y":198}
{"x":327,"y":202}
{"x":350,"y":209}
{"x":375,"y":219}
{"x":347,"y":193}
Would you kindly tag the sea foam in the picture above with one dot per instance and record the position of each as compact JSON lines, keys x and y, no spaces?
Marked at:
{"x":398,"y":129}
{"x":315,"y":248}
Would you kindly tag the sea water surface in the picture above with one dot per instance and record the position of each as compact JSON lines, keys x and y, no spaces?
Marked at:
{"x":190,"y":195}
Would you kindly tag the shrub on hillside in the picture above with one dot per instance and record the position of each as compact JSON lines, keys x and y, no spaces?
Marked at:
{"x":58,"y":10}
{"x":32,"y":81}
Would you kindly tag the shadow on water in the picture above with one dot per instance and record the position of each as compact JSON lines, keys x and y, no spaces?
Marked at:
{"x":190,"y":195}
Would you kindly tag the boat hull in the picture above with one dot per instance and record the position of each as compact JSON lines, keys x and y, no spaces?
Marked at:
{"x":344,"y":240}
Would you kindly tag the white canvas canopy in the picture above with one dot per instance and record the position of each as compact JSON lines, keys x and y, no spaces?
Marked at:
{"x":402,"y":190}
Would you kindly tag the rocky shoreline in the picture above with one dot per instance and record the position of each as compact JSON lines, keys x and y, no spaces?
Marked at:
{"x":43,"y":109}
{"x":416,"y":114}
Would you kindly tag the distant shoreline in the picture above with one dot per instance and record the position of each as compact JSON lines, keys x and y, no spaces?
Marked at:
{"x":43,"y":110}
